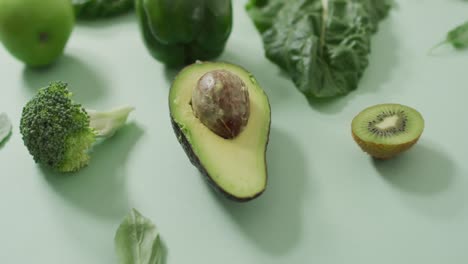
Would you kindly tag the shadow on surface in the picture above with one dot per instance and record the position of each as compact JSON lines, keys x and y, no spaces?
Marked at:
{"x":383,"y":59}
{"x":170,"y":74}
{"x":84,"y":82}
{"x":422,"y":170}
{"x":273,"y":220}
{"x":427,"y":180}
{"x":165,"y":252}
{"x":100,"y":188}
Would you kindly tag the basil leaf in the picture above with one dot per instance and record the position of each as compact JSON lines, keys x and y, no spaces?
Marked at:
{"x":137,"y":241}
{"x":457,"y":37}
{"x":5,"y":127}
{"x":92,"y":9}
{"x":322,"y":44}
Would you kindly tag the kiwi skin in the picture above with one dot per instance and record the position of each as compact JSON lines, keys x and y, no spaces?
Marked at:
{"x":382,"y":151}
{"x":386,"y":151}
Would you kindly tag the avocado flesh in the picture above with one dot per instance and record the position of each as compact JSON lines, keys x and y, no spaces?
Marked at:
{"x":235,"y":167}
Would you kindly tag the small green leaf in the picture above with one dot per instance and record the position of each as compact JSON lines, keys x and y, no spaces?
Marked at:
{"x":5,"y":127}
{"x":137,"y":241}
{"x":457,"y":37}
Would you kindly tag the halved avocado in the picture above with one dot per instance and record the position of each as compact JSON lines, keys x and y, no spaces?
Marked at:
{"x":235,"y":167}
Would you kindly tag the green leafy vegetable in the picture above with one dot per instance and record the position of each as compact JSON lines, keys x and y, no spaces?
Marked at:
{"x":92,"y":9}
{"x":5,"y":127}
{"x":137,"y":241}
{"x":457,"y":37}
{"x":322,"y":44}
{"x":60,"y":133}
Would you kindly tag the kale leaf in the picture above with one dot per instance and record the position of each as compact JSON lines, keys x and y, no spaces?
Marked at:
{"x":92,"y":9}
{"x":322,"y":44}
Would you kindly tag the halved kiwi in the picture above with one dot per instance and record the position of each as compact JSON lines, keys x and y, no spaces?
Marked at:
{"x":386,"y":130}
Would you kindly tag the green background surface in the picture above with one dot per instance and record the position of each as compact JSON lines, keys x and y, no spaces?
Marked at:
{"x":327,"y":202}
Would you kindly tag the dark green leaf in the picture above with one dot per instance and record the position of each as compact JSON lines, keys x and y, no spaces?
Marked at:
{"x":322,"y":44}
{"x":92,"y":9}
{"x":137,"y":241}
{"x":263,"y":12}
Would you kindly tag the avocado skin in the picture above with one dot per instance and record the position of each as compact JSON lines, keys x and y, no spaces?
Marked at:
{"x":196,"y":162}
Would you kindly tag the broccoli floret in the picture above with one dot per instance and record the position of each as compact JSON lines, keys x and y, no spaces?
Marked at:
{"x":60,"y":133}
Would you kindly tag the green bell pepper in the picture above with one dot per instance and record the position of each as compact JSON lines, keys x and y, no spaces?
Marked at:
{"x":179,"y":32}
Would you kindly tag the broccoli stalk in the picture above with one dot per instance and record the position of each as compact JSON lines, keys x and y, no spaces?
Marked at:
{"x":105,"y":124}
{"x":60,"y":133}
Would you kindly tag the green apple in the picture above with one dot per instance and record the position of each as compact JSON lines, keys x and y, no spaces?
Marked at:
{"x":36,"y":31}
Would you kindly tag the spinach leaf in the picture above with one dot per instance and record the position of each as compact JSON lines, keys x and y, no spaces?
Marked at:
{"x":322,"y":44}
{"x":92,"y":9}
{"x":137,"y":241}
{"x":457,"y":37}
{"x":5,"y":127}
{"x":263,"y":12}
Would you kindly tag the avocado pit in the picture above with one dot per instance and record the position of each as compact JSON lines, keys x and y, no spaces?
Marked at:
{"x":220,"y":100}
{"x":236,"y":168}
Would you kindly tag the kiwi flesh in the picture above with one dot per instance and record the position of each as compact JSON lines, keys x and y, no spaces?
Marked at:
{"x":386,"y":130}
